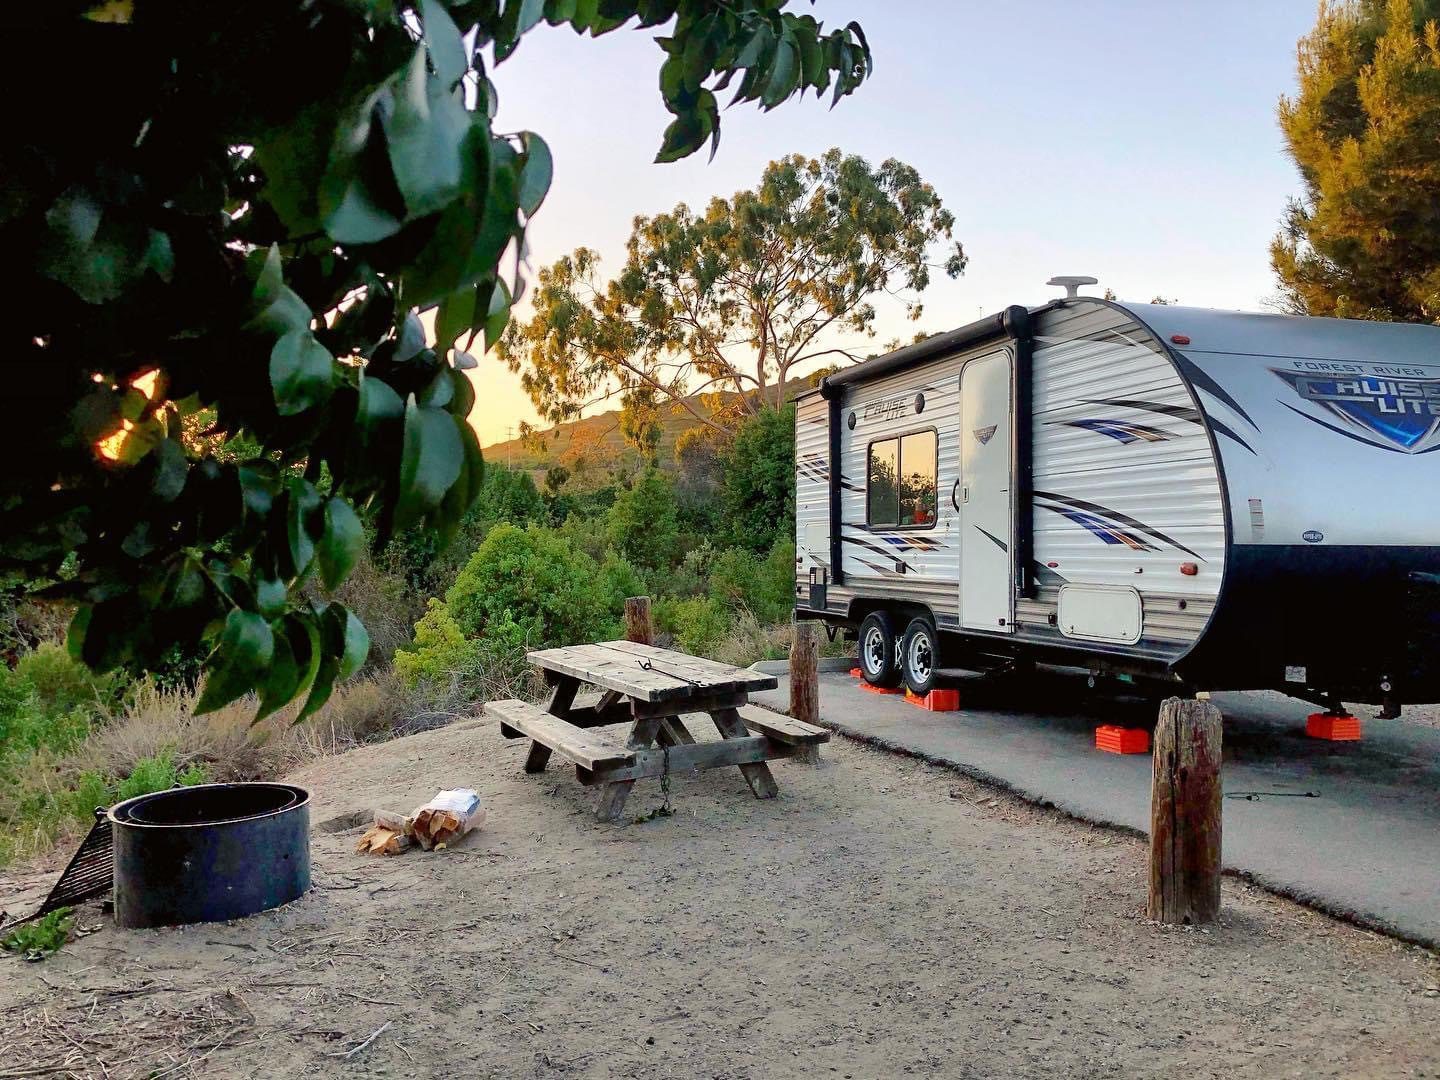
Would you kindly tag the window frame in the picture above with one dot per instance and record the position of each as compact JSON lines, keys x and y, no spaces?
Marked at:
{"x":899,"y":463}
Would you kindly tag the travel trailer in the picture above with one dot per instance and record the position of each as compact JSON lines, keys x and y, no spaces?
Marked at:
{"x":1215,"y":499}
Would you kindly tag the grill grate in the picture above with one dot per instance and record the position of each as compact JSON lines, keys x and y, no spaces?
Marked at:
{"x":90,"y":871}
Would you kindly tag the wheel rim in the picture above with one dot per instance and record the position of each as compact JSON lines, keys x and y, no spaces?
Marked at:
{"x":874,"y":651}
{"x":922,"y":657}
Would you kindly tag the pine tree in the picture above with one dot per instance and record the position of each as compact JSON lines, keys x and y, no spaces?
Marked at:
{"x":1363,"y":241}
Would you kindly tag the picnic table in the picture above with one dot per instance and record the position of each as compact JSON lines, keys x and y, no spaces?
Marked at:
{"x":652,"y":689}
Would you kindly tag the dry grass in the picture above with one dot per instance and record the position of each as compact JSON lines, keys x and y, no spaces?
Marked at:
{"x":233,"y":748}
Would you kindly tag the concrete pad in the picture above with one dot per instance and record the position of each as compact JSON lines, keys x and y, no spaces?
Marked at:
{"x":1350,"y":828}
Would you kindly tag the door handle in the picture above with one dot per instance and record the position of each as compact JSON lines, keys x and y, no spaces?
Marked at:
{"x":953,"y":502}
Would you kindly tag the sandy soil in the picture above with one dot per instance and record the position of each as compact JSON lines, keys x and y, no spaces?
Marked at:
{"x":882,"y":918}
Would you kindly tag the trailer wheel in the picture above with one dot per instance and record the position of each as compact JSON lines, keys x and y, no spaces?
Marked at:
{"x":919,"y":656}
{"x":878,"y":650}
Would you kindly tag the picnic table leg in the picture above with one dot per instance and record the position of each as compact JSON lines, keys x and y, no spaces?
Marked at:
{"x":614,"y":793}
{"x":673,"y":732}
{"x":561,"y":698}
{"x":757,"y":773}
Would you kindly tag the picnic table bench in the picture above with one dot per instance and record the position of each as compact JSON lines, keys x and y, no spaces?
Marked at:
{"x":653,"y":689}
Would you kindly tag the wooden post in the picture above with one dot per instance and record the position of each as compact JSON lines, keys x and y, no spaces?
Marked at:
{"x":638,"y":627}
{"x":1185,"y":801}
{"x":805,"y":683}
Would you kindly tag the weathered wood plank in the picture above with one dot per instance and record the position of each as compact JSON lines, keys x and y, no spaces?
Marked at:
{"x":1185,"y":809}
{"x":562,"y":696}
{"x":580,"y":746}
{"x":673,"y":732}
{"x":649,"y":763}
{"x":694,"y":704}
{"x":782,"y":728}
{"x":757,"y":774}
{"x":611,"y":672}
{"x":707,"y":672}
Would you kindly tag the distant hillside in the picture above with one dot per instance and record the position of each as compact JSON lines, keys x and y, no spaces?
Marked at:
{"x":598,"y":438}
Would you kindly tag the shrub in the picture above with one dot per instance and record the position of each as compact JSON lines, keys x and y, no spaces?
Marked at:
{"x":531,"y":577}
{"x":62,"y":683}
{"x":41,"y":938}
{"x":642,"y":524}
{"x":759,"y":489}
{"x":621,"y":580}
{"x":695,"y":625}
{"x":766,"y":588}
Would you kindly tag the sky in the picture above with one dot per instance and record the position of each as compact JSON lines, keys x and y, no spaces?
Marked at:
{"x":1129,"y":140}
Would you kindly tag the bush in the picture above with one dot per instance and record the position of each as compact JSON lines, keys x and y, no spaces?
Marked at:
{"x":621,"y":580}
{"x":642,"y":524}
{"x":63,"y":684}
{"x":530,"y":577}
{"x":759,"y":489}
{"x":695,"y":625}
{"x":765,"y":588}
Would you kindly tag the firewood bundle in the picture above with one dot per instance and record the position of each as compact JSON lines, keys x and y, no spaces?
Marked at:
{"x":451,"y":814}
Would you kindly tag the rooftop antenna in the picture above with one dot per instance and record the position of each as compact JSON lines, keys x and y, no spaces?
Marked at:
{"x":1071,"y":285}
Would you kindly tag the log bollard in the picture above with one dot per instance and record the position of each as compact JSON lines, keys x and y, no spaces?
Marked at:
{"x":638,"y":627}
{"x":1185,"y":803}
{"x":805,"y":682}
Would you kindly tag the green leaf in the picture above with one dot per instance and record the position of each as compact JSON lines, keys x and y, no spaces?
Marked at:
{"x":535,"y":174}
{"x":346,"y":638}
{"x":321,"y":687}
{"x":279,"y":309}
{"x":378,"y":405}
{"x":282,"y":680}
{"x":438,"y":392}
{"x":271,"y":596}
{"x":354,"y":202}
{"x":431,"y":460}
{"x":257,"y":490}
{"x":245,"y":649}
{"x":425,"y":134}
{"x":304,"y":500}
{"x":784,"y":73}
{"x":464,"y":399}
{"x":411,"y":339}
{"x":447,"y":49}
{"x":341,"y":544}
{"x":456,"y":314}
{"x":171,"y":470}
{"x":498,"y":316}
{"x":302,"y":373}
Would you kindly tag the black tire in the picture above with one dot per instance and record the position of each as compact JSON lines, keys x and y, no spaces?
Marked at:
{"x":919,"y":656}
{"x":878,"y":661}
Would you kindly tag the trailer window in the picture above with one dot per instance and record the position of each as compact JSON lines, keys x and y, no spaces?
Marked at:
{"x":900,"y":488}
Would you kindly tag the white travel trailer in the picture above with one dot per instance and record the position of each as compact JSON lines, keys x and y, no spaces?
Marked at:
{"x":1223,"y":500}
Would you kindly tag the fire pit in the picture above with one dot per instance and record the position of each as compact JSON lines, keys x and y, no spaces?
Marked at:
{"x":209,"y":853}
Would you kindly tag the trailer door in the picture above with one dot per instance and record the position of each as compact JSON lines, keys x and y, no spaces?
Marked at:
{"x":987,"y":530}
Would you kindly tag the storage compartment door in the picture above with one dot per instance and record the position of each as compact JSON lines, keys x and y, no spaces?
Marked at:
{"x":987,"y":515}
{"x":1100,"y":613}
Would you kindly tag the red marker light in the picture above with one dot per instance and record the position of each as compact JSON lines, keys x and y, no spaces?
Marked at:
{"x":1189,"y":569}
{"x":1180,"y":339}
{"x":1052,"y":565}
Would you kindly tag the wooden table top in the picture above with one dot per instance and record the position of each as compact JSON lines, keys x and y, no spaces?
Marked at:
{"x":646,"y":673}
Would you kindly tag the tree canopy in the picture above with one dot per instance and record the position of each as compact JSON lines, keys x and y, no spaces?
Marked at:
{"x":735,"y":298}
{"x":218,"y":252}
{"x":1363,"y":241}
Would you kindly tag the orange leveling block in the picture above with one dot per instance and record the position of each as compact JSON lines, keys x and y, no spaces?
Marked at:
{"x":855,"y":673}
{"x":1334,"y":728}
{"x":879,"y":689}
{"x":1121,"y":740}
{"x":936,"y":700}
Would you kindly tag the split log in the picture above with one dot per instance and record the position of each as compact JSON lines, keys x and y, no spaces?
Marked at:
{"x":1185,"y":806}
{"x":638,"y":627}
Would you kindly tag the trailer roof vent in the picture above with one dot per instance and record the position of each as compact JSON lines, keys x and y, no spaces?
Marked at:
{"x":1071,"y":285}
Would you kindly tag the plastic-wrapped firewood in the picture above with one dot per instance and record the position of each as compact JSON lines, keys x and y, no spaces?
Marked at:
{"x":445,"y":818}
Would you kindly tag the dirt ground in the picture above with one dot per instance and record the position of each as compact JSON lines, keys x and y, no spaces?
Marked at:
{"x":881,"y":918}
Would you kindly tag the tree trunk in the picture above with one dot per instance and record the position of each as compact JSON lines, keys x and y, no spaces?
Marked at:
{"x":638,"y":627}
{"x":1185,"y":802}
